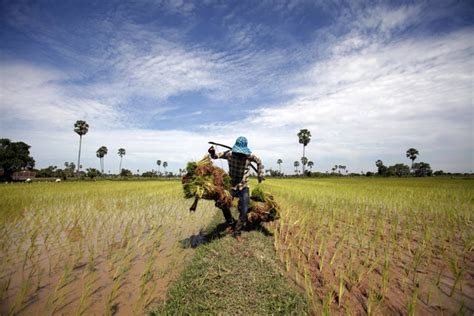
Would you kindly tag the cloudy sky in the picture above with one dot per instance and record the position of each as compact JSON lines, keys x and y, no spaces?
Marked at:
{"x":162,"y":78}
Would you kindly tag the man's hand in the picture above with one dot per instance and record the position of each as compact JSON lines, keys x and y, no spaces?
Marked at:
{"x":260,"y":179}
{"x":212,"y":151}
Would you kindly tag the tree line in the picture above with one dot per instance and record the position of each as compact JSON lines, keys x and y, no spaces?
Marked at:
{"x":15,"y":156}
{"x":420,"y":169}
{"x":81,"y":128}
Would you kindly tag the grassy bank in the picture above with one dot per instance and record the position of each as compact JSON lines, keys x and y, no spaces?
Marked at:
{"x":228,"y":277}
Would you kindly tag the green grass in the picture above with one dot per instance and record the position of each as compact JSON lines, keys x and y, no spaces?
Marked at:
{"x":229,"y":277}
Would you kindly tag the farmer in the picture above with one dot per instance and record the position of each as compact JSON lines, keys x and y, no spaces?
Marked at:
{"x":239,"y":159}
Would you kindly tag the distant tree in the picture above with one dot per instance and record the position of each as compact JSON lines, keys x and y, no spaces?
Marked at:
{"x":274,"y":173}
{"x":382,"y":169}
{"x":165,"y":164}
{"x":81,"y":128}
{"x":412,"y":153}
{"x":310,"y":165}
{"x":279,"y":162}
{"x":158,"y":162}
{"x":398,"y":170}
{"x":100,"y":153}
{"x":93,"y":173}
{"x":121,"y":152}
{"x":125,"y":173}
{"x":48,"y":172}
{"x":149,"y":174}
{"x":14,"y":156}
{"x":439,"y":173}
{"x":304,"y":137}
{"x":296,"y":164}
{"x":422,"y":169}
{"x":69,"y":169}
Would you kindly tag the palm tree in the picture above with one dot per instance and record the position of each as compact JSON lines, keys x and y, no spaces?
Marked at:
{"x":340,"y":168}
{"x":343,"y":167}
{"x":121,"y":153}
{"x":158,"y":162}
{"x":304,"y":136}
{"x":165,"y":164}
{"x":279,"y":162}
{"x":81,"y":128}
{"x":100,"y":153}
{"x":296,"y":164}
{"x":304,"y":160}
{"x":310,"y":165}
{"x":412,"y":154}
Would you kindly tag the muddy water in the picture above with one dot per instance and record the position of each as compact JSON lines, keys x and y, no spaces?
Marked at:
{"x":95,"y":263}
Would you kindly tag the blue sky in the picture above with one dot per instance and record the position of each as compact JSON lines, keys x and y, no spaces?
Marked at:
{"x":162,"y":78}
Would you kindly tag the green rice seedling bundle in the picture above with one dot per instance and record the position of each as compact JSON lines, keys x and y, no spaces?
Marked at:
{"x":263,"y":207}
{"x":205,"y":181}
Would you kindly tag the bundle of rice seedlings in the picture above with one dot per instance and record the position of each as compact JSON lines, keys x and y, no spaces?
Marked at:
{"x":203,"y":180}
{"x":263,"y":207}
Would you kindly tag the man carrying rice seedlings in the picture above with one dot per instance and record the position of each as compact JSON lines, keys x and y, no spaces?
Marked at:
{"x":239,"y":159}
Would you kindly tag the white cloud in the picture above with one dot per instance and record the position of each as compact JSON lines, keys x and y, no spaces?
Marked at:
{"x":32,"y":97}
{"x":375,"y":98}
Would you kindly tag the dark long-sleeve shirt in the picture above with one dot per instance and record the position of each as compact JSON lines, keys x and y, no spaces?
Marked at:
{"x":239,"y":167}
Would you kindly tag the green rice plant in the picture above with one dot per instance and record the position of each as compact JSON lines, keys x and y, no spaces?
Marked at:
{"x":87,"y":291}
{"x":327,"y":301}
{"x":90,"y":266}
{"x":149,"y":297}
{"x":308,"y":284}
{"x":321,"y":253}
{"x":337,"y":249}
{"x":341,"y":288}
{"x":457,"y":272}
{"x":374,"y":301}
{"x":111,"y":296}
{"x":21,"y":297}
{"x":413,"y":300}
{"x":57,"y":296}
{"x":386,"y":270}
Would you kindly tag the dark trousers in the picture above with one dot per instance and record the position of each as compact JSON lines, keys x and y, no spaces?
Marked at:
{"x":243,"y":196}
